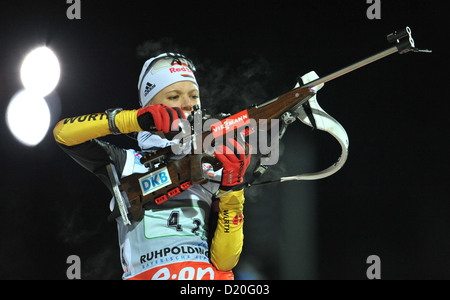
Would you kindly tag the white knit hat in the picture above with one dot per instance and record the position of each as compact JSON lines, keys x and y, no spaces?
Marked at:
{"x":161,"y":71}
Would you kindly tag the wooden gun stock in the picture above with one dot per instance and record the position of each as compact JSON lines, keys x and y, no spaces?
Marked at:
{"x":275,"y":108}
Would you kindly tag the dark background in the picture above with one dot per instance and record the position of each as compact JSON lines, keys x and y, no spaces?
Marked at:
{"x":390,"y":198}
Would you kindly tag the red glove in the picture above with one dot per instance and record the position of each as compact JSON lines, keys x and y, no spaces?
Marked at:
{"x":158,"y":117}
{"x":235,"y":162}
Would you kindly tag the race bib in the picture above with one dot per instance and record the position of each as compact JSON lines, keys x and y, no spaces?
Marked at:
{"x":179,"y":221}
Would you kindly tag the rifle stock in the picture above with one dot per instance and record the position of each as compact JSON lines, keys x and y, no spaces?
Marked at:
{"x":275,"y":108}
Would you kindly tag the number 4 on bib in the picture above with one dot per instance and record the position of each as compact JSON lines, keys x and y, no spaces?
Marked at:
{"x":173,"y":221}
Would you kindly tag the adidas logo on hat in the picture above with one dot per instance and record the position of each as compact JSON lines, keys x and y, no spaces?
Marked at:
{"x":148,"y":88}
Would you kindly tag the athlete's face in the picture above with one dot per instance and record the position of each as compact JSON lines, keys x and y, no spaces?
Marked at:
{"x":183,"y":94}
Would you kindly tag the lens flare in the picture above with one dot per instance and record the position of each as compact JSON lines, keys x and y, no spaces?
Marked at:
{"x":40,"y":71}
{"x":28,"y":117}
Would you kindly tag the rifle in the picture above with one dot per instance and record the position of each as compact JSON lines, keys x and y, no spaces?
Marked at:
{"x":167,"y":177}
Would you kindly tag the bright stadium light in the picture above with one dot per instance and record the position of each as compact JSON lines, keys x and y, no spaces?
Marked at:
{"x":40,"y":71}
{"x":28,"y":117}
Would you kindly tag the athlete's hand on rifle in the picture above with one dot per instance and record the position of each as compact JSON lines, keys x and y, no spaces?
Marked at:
{"x":159,"y":117}
{"x":235,"y":160}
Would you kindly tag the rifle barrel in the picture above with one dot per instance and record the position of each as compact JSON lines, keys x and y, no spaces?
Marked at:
{"x":352,"y":67}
